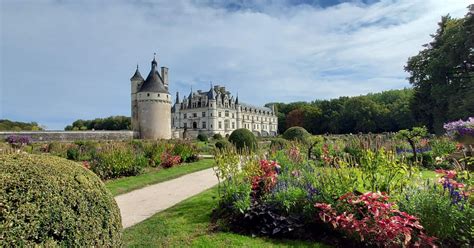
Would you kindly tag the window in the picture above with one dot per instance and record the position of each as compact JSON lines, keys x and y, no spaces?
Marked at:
{"x":185,"y":125}
{"x":219,"y":114}
{"x":203,"y":114}
{"x":220,"y":124}
{"x":232,"y":115}
{"x":203,"y":124}
{"x":227,"y":113}
{"x":211,"y":114}
{"x":233,"y":125}
{"x":195,"y":114}
{"x":185,"y":116}
{"x":211,"y":125}
{"x":148,"y":94}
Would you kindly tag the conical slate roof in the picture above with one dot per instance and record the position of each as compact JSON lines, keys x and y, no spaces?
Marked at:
{"x":137,"y":76}
{"x":153,"y":82}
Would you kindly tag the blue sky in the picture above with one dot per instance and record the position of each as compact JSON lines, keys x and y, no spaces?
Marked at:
{"x":64,"y":60}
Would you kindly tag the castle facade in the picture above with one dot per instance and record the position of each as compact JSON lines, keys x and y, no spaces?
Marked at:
{"x":217,"y":111}
{"x":208,"y":112}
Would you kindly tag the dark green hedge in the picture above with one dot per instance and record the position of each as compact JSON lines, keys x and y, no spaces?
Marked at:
{"x":50,"y":201}
{"x":243,"y":138}
{"x":296,"y":133}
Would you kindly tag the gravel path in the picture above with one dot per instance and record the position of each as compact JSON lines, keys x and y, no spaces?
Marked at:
{"x":141,"y":204}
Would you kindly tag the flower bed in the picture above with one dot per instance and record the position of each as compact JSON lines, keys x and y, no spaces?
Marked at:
{"x":338,"y":198}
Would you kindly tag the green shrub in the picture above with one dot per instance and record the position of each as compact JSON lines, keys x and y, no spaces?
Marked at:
{"x":202,"y":137}
{"x":450,"y":223}
{"x":296,"y":133}
{"x":118,"y":161}
{"x":222,"y":144}
{"x":72,"y":153}
{"x":279,"y":143}
{"x":186,"y":151}
{"x":243,"y":139}
{"x":153,"y":151}
{"x":48,"y":201}
{"x":217,"y":136}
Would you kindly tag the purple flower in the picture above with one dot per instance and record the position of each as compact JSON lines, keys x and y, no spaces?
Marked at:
{"x":460,"y":128}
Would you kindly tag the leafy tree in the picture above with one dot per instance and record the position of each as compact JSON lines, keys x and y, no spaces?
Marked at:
{"x":442,"y":80}
{"x":109,"y":123}
{"x":412,"y":137}
{"x":8,"y":125}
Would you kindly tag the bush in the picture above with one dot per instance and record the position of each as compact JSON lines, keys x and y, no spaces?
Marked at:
{"x":243,"y":139}
{"x":72,"y":153}
{"x":217,"y":136}
{"x":50,"y":201}
{"x":186,"y":151}
{"x":117,"y":161}
{"x":202,"y":137}
{"x":279,"y":144}
{"x":153,"y":152}
{"x":296,"y":133}
{"x":222,"y":144}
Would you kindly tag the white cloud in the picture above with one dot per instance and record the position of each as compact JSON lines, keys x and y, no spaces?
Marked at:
{"x":65,"y":60}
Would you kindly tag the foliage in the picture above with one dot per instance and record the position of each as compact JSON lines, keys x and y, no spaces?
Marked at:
{"x":371,"y":218}
{"x":387,"y":111}
{"x":109,"y":123}
{"x":186,"y":151}
{"x":222,"y":144}
{"x":202,"y":137}
{"x":217,"y":136}
{"x":442,"y":82}
{"x":7,"y":125}
{"x":117,"y":161}
{"x":297,"y":134}
{"x":18,"y":141}
{"x":153,"y":151}
{"x":412,"y":137}
{"x":49,"y":201}
{"x":279,"y":143}
{"x":168,"y":160}
{"x":243,"y":139}
{"x":444,"y":208}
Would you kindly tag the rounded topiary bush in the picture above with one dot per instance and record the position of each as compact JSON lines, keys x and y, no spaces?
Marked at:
{"x":202,"y":137}
{"x":243,"y":138}
{"x":50,"y":201}
{"x":296,"y":133}
{"x":217,"y":136}
{"x":222,"y":144}
{"x":279,"y":143}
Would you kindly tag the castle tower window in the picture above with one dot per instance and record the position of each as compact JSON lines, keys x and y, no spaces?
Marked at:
{"x":219,"y":114}
{"x":203,"y":114}
{"x":148,"y":94}
{"x":233,"y":125}
{"x":232,"y":115}
{"x":195,"y":114}
{"x":185,"y":116}
{"x":195,"y":125}
{"x":227,"y":113}
{"x":203,"y":124}
{"x":220,"y":124}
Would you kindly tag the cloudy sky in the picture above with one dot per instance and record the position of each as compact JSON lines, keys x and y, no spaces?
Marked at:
{"x":68,"y":59}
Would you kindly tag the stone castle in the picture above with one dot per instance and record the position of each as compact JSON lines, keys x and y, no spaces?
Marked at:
{"x":208,"y":112}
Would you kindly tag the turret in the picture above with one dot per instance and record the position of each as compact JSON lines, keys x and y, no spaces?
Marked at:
{"x":164,"y":76}
{"x":136,"y":82}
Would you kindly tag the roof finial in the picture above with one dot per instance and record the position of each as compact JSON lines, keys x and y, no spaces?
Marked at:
{"x":137,"y":66}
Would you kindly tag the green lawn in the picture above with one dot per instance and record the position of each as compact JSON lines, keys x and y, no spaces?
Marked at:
{"x":187,"y":225}
{"x":154,"y":175}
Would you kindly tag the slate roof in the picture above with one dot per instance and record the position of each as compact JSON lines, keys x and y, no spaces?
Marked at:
{"x":137,"y":76}
{"x":154,"y":82}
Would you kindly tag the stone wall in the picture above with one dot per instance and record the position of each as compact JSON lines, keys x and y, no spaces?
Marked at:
{"x":44,"y":136}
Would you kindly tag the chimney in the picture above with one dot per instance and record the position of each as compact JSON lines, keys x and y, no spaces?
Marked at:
{"x":164,"y":76}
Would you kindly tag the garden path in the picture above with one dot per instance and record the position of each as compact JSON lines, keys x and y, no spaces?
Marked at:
{"x":141,"y":204}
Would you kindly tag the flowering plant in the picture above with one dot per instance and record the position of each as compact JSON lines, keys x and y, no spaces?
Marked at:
{"x":18,"y":140}
{"x":168,"y":160}
{"x":268,"y":178}
{"x":374,"y":220}
{"x":457,"y":191}
{"x":460,"y":128}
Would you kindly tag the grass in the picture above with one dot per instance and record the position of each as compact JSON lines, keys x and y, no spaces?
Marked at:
{"x":187,"y":225}
{"x":154,"y":175}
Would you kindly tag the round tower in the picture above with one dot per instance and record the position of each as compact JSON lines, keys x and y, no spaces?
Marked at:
{"x":154,"y":106}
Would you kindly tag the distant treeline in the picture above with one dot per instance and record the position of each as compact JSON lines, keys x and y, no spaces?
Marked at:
{"x":109,"y":123}
{"x":379,"y":112}
{"x":7,"y":125}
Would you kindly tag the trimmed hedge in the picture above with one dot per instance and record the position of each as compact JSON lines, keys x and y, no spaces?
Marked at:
{"x":222,"y":144}
{"x":50,"y":201}
{"x":202,"y":137}
{"x":296,"y":133}
{"x":279,"y":143}
{"x":243,"y":138}
{"x":217,"y":136}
